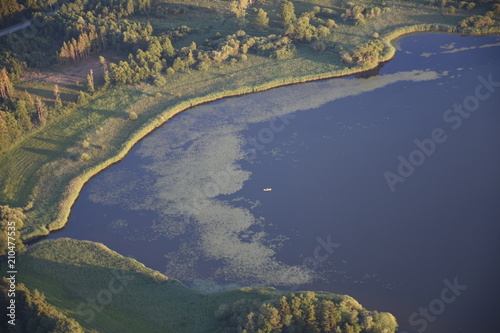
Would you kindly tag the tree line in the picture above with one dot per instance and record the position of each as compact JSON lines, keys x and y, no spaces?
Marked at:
{"x":33,"y":313}
{"x":303,"y":312}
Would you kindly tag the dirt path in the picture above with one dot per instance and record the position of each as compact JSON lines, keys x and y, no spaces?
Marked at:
{"x":14,"y":28}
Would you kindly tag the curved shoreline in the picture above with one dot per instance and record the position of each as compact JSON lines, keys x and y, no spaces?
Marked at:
{"x":73,"y":189}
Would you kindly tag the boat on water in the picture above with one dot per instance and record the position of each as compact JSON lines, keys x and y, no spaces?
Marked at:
{"x":267,"y":189}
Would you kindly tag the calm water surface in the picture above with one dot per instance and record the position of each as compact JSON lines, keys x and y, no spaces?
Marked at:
{"x":189,"y":201}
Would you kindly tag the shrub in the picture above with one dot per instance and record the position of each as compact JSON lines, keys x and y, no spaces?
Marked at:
{"x":368,"y":52}
{"x":132,"y":115}
{"x":360,"y":22}
{"x":82,"y":98}
{"x":346,"y":57}
{"x":85,"y":144}
{"x":330,"y":24}
{"x":160,"y":81}
{"x":327,"y":12}
{"x":285,"y":52}
{"x":204,"y":65}
{"x":179,"y":64}
{"x":301,"y":29}
{"x":261,"y":20}
{"x":476,"y":21}
{"x":319,"y":46}
{"x":322,"y":31}
{"x":84,"y":157}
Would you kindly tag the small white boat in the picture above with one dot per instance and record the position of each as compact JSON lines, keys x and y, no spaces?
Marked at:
{"x":267,"y":189}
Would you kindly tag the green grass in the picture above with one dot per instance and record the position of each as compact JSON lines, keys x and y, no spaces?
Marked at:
{"x":46,"y":91}
{"x":69,"y":272}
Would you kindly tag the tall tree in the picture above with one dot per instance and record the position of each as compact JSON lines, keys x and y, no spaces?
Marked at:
{"x":239,"y":8}
{"x":57,"y":96}
{"x":287,"y":12}
{"x":6,"y":87}
{"x":90,"y":82}
{"x":10,"y":217}
{"x":40,"y":112}
{"x":57,"y":93}
{"x":104,"y":66}
{"x":168,"y":49}
{"x":130,"y":7}
{"x":261,"y":20}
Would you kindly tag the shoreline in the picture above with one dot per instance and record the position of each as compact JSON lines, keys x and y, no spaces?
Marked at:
{"x":74,"y":187}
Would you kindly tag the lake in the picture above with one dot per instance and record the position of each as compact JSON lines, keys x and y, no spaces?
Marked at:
{"x":384,"y":186}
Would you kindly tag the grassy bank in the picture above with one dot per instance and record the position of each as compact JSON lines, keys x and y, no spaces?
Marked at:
{"x":74,"y":276}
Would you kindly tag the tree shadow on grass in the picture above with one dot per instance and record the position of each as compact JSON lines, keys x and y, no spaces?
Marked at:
{"x":53,"y":141}
{"x":44,"y":152}
{"x":118,"y":289}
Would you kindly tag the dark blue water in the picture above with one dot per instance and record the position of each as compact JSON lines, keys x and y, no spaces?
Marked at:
{"x":395,"y":248}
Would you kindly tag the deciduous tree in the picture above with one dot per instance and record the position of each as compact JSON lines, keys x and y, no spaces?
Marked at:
{"x":287,"y":12}
{"x":262,"y":20}
{"x":90,"y":82}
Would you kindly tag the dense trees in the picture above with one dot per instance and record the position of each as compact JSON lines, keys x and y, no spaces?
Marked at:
{"x":6,"y":87}
{"x":239,"y":8}
{"x":366,"y":53}
{"x":16,"y":114}
{"x":359,"y":13}
{"x":33,"y":313}
{"x":476,"y":21}
{"x":79,"y":29}
{"x":11,"y":223}
{"x":303,"y":312}
{"x":78,"y":48}
{"x":9,"y":11}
